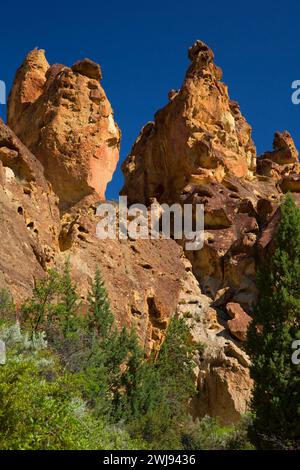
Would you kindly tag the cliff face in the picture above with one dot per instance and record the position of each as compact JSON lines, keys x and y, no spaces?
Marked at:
{"x":198,"y":150}
{"x":29,"y":217}
{"x":64,"y":117}
{"x":198,"y":138}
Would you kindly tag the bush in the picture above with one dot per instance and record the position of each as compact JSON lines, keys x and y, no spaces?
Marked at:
{"x":41,"y":406}
{"x":208,"y":434}
{"x":78,"y":382}
{"x":7,"y":307}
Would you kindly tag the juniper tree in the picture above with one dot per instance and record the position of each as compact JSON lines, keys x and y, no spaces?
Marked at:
{"x":275,"y":325}
{"x":175,"y":365}
{"x":137,"y":391}
{"x":173,"y":385}
{"x":100,"y":316}
{"x":40,"y":307}
{"x":68,"y":306}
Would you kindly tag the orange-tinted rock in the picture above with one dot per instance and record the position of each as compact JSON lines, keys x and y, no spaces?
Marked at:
{"x":88,"y":68}
{"x":64,"y":117}
{"x":199,"y":137}
{"x":29,"y":217}
{"x":222,"y":373}
{"x":28,"y":85}
{"x":199,"y":151}
{"x":284,"y":151}
{"x":240,"y":320}
{"x":290,"y":183}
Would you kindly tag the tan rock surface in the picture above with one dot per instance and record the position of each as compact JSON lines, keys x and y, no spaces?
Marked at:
{"x":147,"y":281}
{"x":239,"y":323}
{"x":222,"y":373}
{"x":29,"y":217}
{"x":199,"y":137}
{"x":199,"y":151}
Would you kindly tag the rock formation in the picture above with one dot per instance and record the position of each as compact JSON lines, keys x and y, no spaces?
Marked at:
{"x":198,"y":138}
{"x":55,"y":164}
{"x":29,"y":217}
{"x":63,"y":116}
{"x":199,"y":151}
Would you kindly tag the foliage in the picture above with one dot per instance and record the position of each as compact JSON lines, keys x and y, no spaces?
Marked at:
{"x":172,"y":385}
{"x":76,"y":381}
{"x":40,"y":407}
{"x":276,"y":324}
{"x":7,"y":307}
{"x":208,"y":434}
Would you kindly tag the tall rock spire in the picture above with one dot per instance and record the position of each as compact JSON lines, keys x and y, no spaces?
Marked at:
{"x":63,"y":116}
{"x":199,"y":136}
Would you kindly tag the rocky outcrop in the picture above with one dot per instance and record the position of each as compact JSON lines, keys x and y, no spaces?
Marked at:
{"x":147,"y":281}
{"x":198,"y":138}
{"x":284,"y":151}
{"x":29,"y":217}
{"x":222,"y":372}
{"x":239,"y":323}
{"x":142,"y":277}
{"x":64,"y":117}
{"x":199,"y":151}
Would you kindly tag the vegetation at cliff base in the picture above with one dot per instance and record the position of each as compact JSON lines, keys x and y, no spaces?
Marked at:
{"x":76,"y":381}
{"x":276,"y":324}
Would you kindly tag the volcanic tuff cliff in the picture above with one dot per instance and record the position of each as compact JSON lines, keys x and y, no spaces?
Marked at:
{"x":56,"y":158}
{"x":64,"y":117}
{"x":199,"y":150}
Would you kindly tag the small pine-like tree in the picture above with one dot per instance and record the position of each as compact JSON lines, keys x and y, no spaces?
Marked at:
{"x":41,"y":306}
{"x":275,"y":325}
{"x":175,"y":364}
{"x":100,"y":317}
{"x":170,"y":384}
{"x":68,"y":306}
{"x":136,"y":387}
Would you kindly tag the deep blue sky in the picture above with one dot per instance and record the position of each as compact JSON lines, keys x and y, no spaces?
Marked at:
{"x":142,"y":48}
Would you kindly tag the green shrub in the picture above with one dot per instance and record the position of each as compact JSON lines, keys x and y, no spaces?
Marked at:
{"x":7,"y":307}
{"x":76,"y":381}
{"x":208,"y":434}
{"x":41,"y":405}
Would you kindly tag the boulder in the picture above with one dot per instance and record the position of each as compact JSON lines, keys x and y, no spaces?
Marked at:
{"x":240,"y":320}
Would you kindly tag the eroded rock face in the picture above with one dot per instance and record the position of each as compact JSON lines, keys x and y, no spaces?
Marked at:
{"x":239,"y":323}
{"x":147,"y":281}
{"x":199,"y":151}
{"x":29,"y":217}
{"x":64,"y":117}
{"x":199,"y":137}
{"x":284,"y":151}
{"x":222,"y":373}
{"x":142,"y":277}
